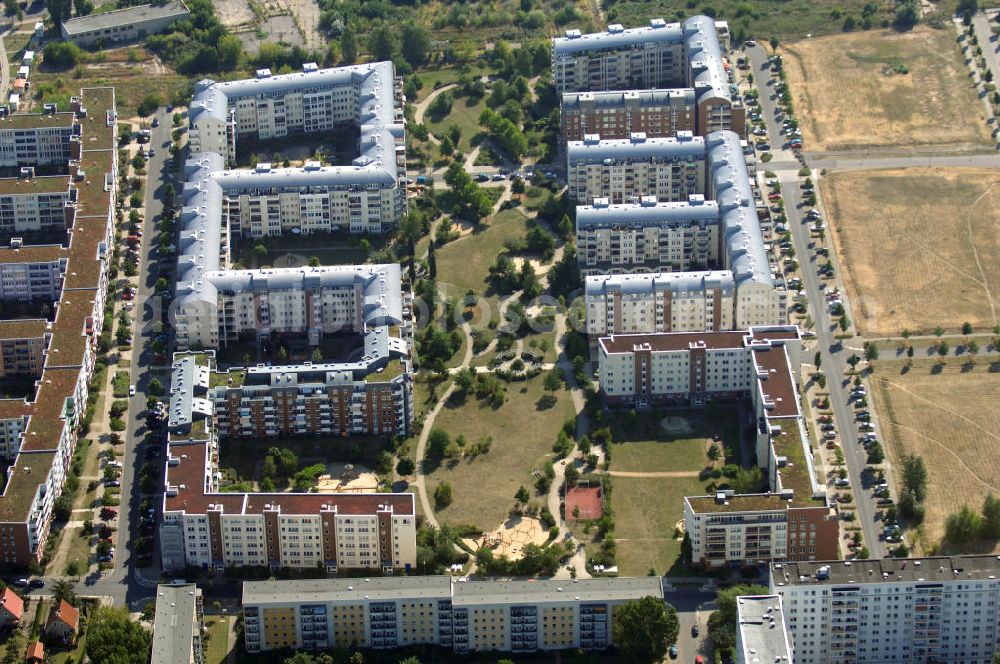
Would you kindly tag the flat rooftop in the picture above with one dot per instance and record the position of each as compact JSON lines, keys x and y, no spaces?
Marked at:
{"x":48,"y":184}
{"x":762,"y":631}
{"x":69,"y":341}
{"x":99,"y":102}
{"x":778,"y":382}
{"x":23,"y":478}
{"x":673,"y":341}
{"x":127,"y":16}
{"x":175,"y":623}
{"x":346,"y":590}
{"x":933,"y":569}
{"x":556,"y":590}
{"x":29,"y":328}
{"x":39,"y":253}
{"x":46,"y":423}
{"x":37,"y":120}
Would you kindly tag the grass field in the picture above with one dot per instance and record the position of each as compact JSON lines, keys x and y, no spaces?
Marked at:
{"x":787,"y":19}
{"x":645,"y":535}
{"x":217,"y":631}
{"x":484,"y":487}
{"x":133,"y":72}
{"x":947,"y":415}
{"x":463,"y":115}
{"x":464,"y":263}
{"x":642,"y":445}
{"x":920,"y":247}
{"x":849,"y":94}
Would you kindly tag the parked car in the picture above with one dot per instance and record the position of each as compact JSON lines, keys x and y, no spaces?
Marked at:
{"x":131,"y":390}
{"x":36,"y":583}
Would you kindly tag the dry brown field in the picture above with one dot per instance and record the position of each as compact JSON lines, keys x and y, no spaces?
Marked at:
{"x":918,"y":247}
{"x":849,"y":91}
{"x":947,"y":413}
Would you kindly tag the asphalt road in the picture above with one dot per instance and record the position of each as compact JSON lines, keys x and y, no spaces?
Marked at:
{"x":833,"y":351}
{"x":834,"y":354}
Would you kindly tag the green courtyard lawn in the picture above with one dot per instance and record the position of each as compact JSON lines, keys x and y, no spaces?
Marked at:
{"x":464,"y":264}
{"x":329,"y":248}
{"x":646,"y":512}
{"x":464,"y":114}
{"x":642,"y":445}
{"x":484,"y":487}
{"x":435,"y":79}
{"x":217,"y":634}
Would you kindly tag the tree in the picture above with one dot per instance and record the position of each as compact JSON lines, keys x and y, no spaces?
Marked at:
{"x":416,"y":43}
{"x":230,"y":49}
{"x":260,"y":250}
{"x":349,"y":46}
{"x":442,"y":495}
{"x":59,"y":10}
{"x":915,"y":476}
{"x":973,"y":347}
{"x":713,"y":452}
{"x":406,"y":466}
{"x":112,"y":636}
{"x":875,"y":454}
{"x":62,"y":590}
{"x":938,"y":331}
{"x":966,"y":328}
{"x":83,"y":7}
{"x":15,"y":647}
{"x":644,"y":629}
{"x":871,"y":351}
{"x":907,"y":15}
{"x":774,"y":44}
{"x":437,"y":443}
{"x":155,"y":387}
{"x":963,"y":526}
{"x":62,"y":55}
{"x":149,"y":104}
{"x":817,"y":360}
{"x":942,"y":348}
{"x":383,"y":42}
{"x":431,"y":262}
{"x":11,"y":7}
{"x":522,"y":496}
{"x":967,"y":7}
{"x":991,"y":517}
{"x":844,"y":323}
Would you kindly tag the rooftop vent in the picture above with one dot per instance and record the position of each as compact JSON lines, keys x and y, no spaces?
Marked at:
{"x":615,"y":28}
{"x":263,"y":73}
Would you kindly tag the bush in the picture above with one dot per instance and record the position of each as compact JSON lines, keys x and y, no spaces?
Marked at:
{"x":442,"y":495}
{"x":62,"y":55}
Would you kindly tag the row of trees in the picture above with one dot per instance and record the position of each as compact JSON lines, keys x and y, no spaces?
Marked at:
{"x":914,"y":492}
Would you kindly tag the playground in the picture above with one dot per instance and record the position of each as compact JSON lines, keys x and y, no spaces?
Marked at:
{"x":511,"y":537}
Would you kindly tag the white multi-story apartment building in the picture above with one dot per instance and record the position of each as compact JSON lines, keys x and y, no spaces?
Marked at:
{"x":920,"y":610}
{"x":660,"y":55}
{"x":38,"y":140}
{"x":794,"y":520}
{"x":624,"y":170}
{"x":74,"y":278}
{"x":648,"y":237}
{"x":214,"y":530}
{"x":743,"y":293}
{"x":761,"y":633}
{"x":30,"y":203}
{"x":483,"y":616}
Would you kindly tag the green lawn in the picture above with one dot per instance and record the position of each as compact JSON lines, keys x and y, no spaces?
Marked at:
{"x":641,"y":444}
{"x":463,"y":115}
{"x":646,"y":512}
{"x":217,"y":633}
{"x":79,"y":550}
{"x":243,"y":455}
{"x":484,"y":487}
{"x":464,"y":263}
{"x":329,"y":248}
{"x":435,"y":79}
{"x":788,"y":20}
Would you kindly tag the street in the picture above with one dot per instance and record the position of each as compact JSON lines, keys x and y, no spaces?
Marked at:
{"x":833,"y":352}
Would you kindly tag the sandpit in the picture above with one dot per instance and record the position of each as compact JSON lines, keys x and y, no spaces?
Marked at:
{"x":511,"y":537}
{"x":346,"y":478}
{"x":673,"y":424}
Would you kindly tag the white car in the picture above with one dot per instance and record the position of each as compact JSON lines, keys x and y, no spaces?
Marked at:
{"x":131,"y":390}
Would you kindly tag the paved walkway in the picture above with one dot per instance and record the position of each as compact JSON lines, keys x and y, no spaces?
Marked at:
{"x":420,"y":108}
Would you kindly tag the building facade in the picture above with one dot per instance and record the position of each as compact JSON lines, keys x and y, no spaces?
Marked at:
{"x":123,"y":25}
{"x":22,"y":347}
{"x":742,"y":293}
{"x":206,"y":528}
{"x":794,"y":520}
{"x":648,"y":237}
{"x":625,"y":170}
{"x":27,"y":141}
{"x":922,"y":610}
{"x":661,"y":55}
{"x":74,"y":278}
{"x":179,"y":625}
{"x":507,"y":616}
{"x":30,"y":203}
{"x":615,"y":114}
